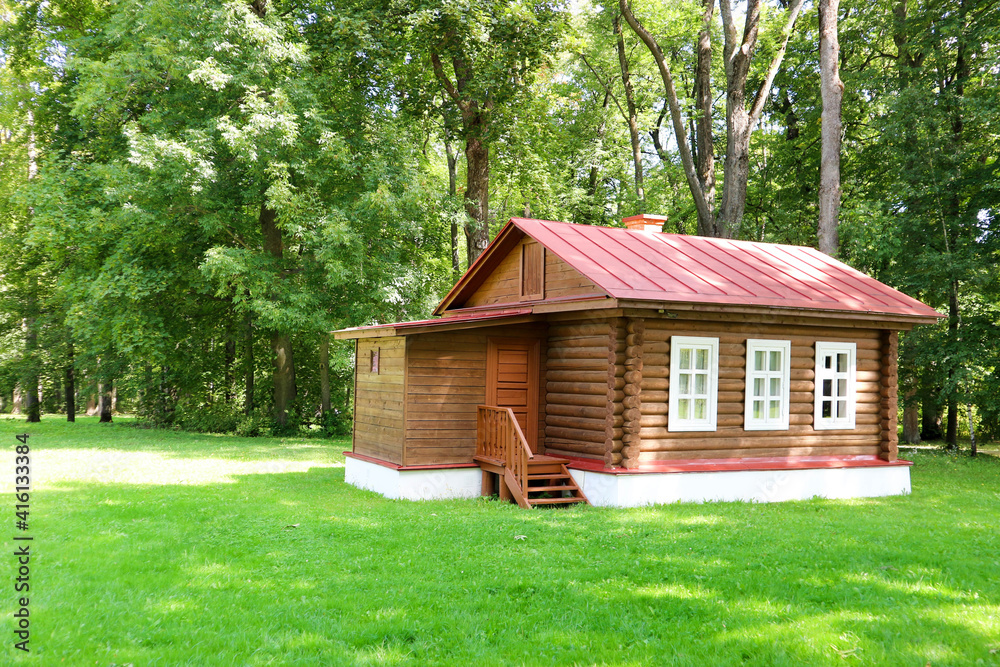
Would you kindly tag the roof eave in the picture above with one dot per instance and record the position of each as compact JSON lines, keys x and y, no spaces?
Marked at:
{"x":906,"y":320}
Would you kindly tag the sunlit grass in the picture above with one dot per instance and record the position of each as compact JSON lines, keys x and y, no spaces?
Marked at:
{"x":170,"y":548}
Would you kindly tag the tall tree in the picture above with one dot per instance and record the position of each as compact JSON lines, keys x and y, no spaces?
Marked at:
{"x":832,"y":89}
{"x":483,"y":55}
{"x":738,"y":52}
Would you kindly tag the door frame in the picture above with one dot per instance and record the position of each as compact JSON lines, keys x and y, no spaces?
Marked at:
{"x":534,"y":345}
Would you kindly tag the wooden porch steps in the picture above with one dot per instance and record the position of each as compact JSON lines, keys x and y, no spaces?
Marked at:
{"x":548,"y":482}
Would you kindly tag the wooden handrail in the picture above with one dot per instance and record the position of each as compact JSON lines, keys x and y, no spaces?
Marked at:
{"x":499,"y":436}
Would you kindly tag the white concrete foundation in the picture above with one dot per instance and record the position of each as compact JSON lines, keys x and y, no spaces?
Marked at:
{"x":761,"y":486}
{"x":436,"y":484}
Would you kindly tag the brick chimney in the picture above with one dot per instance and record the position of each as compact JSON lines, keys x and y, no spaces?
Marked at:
{"x":645,"y":222}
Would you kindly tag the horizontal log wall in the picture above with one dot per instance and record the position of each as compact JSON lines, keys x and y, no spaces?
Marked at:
{"x":502,"y":286}
{"x":889,"y":411}
{"x":379,"y":405}
{"x":446,"y":381}
{"x":730,"y":440}
{"x":576,"y":389}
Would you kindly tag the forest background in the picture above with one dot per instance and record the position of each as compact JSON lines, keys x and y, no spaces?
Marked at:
{"x":192,"y":195}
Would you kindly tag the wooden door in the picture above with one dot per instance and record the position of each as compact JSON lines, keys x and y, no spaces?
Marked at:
{"x":512,"y":381}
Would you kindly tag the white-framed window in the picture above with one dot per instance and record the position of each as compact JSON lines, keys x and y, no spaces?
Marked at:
{"x":768,"y":369}
{"x":835,"y":398}
{"x":694,"y":383}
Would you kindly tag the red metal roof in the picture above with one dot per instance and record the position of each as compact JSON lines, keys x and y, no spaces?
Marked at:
{"x":652,"y":266}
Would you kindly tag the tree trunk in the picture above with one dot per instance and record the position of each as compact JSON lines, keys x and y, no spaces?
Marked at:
{"x":930,"y":419}
{"x":281,"y":342}
{"x":284,"y":376}
{"x":324,"y":373}
{"x":475,"y":130}
{"x":593,"y":178}
{"x":248,"y":363}
{"x":70,"y":384}
{"x":32,"y":405}
{"x":705,"y":141}
{"x":973,"y":448}
{"x":456,"y":264}
{"x":832,"y":90}
{"x":951,"y":438}
{"x":633,"y":120}
{"x":104,"y":391}
{"x":736,"y":167}
{"x":230,"y":359}
{"x":477,"y":186}
{"x":911,"y":418}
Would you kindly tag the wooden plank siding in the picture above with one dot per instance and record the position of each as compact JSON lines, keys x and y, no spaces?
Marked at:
{"x":445,"y":382}
{"x":378,"y":399}
{"x":503,"y":285}
{"x":871,"y":435}
{"x":446,"y":375}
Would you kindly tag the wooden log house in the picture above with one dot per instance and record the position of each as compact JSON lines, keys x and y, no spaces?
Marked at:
{"x":630,"y":367}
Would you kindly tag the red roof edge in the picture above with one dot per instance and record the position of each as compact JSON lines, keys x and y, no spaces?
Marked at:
{"x":451,"y":320}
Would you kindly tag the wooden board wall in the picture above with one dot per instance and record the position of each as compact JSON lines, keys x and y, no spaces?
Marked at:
{"x":378,"y":399}
{"x":445,"y":382}
{"x":503,"y":286}
{"x":579,"y":362}
{"x":730,"y":440}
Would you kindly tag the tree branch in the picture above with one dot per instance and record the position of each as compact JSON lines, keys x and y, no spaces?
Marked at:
{"x":607,"y":88}
{"x":446,"y":82}
{"x":675,"y":110}
{"x":765,"y":88}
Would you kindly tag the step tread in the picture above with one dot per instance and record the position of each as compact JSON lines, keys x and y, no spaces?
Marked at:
{"x":554,"y":501}
{"x":552,"y":475}
{"x":563,"y":487}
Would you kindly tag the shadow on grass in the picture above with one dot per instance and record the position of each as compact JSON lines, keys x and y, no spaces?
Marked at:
{"x":55,"y":433}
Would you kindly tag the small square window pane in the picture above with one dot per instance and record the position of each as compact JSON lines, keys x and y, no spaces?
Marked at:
{"x":701,"y":359}
{"x":775,"y":364}
{"x":841,"y":409}
{"x":758,"y":409}
{"x":828,"y":361}
{"x":684,"y":383}
{"x":775,"y":386}
{"x":827,"y":410}
{"x":685,"y":358}
{"x":684,"y":408}
{"x":842,"y":387}
{"x":700,"y":384}
{"x":828,"y":387}
{"x":700,"y":408}
{"x":758,"y":387}
{"x":842,"y":362}
{"x":774,"y":410}
{"x":758,"y":360}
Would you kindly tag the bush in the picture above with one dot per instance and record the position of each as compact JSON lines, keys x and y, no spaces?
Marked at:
{"x":336,"y":424}
{"x":207,"y":419}
{"x":254,"y":425}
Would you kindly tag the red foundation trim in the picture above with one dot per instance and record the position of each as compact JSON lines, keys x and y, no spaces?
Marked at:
{"x":396,"y":466}
{"x":722,"y":465}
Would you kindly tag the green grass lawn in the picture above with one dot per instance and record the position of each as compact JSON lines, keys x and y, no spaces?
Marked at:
{"x":169,"y":548}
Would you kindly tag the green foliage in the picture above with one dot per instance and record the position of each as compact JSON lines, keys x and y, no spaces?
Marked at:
{"x":140,"y":143}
